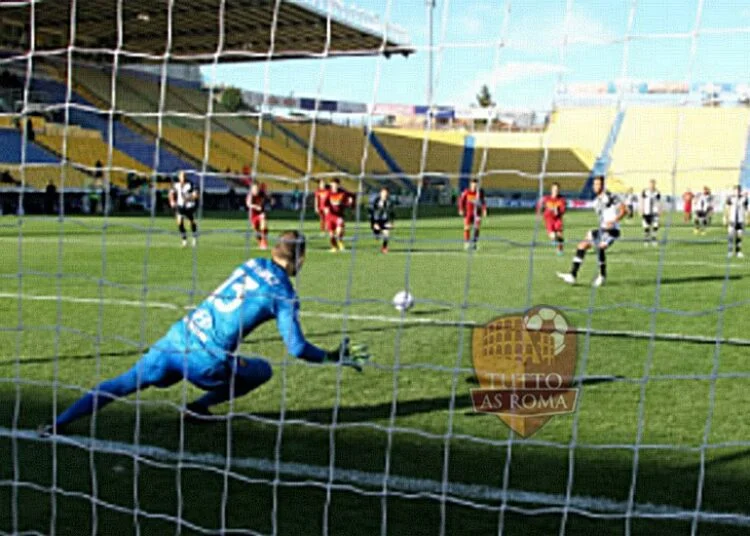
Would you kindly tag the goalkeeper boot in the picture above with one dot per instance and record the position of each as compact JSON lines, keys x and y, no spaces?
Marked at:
{"x":568,"y":278}
{"x":341,"y":245}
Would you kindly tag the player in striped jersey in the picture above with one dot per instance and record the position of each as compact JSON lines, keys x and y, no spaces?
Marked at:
{"x":735,"y":216}
{"x":702,"y":208}
{"x":381,"y":217}
{"x":650,"y":212}
{"x":631,"y":201}
{"x":610,"y":210}
{"x":182,"y":198}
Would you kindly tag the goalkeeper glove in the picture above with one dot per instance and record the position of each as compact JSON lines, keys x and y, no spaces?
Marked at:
{"x":349,"y":355}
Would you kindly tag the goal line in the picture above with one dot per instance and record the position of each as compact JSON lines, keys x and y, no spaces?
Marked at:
{"x":472,"y":495}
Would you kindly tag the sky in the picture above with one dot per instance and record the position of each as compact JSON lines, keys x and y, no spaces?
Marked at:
{"x":548,"y":43}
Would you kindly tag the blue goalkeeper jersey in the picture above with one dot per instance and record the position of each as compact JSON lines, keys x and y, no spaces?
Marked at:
{"x":257,"y":291}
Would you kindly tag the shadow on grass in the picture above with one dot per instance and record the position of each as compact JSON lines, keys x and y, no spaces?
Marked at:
{"x":203,"y":483}
{"x":699,"y":279}
{"x":368,"y":413}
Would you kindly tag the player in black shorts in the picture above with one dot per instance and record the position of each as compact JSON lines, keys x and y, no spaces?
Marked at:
{"x":735,"y":216}
{"x":183,"y":198}
{"x":381,"y":217}
{"x":610,"y":211}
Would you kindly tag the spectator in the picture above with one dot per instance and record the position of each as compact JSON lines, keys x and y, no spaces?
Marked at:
{"x":30,"y":136}
{"x":50,"y":196}
{"x":98,"y":174}
{"x":232,"y":198}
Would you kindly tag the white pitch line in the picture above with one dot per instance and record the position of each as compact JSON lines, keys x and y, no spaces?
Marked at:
{"x":589,"y":506}
{"x":459,"y":252}
{"x":407,"y":320}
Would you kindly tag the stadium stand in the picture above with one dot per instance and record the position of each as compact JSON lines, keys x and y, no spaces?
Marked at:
{"x":39,"y":165}
{"x":124,"y":139}
{"x":86,"y":150}
{"x":184,"y":125}
{"x":705,"y":146}
{"x":11,"y":147}
{"x":339,"y":146}
{"x":513,"y":160}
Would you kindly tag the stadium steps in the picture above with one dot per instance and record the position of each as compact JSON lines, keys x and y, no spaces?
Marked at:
{"x":84,"y":152}
{"x":321,"y":156}
{"x":11,"y":148}
{"x":40,"y":164}
{"x":604,"y":161}
{"x":141,"y":127}
{"x":745,"y":171}
{"x":38,"y":177}
{"x":393,"y":166}
{"x":405,"y":147}
{"x":513,"y":160}
{"x":124,"y":139}
{"x":684,"y":146}
{"x":92,"y":89}
{"x":345,"y":146}
{"x":270,"y":161}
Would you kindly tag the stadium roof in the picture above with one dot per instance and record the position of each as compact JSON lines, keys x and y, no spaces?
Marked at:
{"x":301,"y":30}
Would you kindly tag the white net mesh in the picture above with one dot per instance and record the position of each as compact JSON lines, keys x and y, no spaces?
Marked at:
{"x":101,"y":107}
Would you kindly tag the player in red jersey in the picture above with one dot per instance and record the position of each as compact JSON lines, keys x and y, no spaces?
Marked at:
{"x":687,"y":199}
{"x":321,"y":194}
{"x":552,"y":207}
{"x":335,"y":207}
{"x":256,"y":208}
{"x":473,"y":207}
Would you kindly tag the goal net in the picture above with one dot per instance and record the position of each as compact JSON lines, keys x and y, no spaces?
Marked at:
{"x":503,"y":400}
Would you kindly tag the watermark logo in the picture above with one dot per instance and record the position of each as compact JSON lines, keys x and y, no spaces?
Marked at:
{"x":525,"y":366}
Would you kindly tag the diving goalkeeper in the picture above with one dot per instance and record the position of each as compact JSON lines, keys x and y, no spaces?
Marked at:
{"x":201,"y":346}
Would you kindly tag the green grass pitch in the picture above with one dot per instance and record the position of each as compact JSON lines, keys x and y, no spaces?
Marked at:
{"x":124,"y":283}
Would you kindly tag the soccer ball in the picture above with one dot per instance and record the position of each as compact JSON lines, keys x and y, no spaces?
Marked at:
{"x":403,"y":301}
{"x":551,"y":321}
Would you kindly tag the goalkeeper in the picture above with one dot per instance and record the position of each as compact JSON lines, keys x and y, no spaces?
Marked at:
{"x":200,"y":347}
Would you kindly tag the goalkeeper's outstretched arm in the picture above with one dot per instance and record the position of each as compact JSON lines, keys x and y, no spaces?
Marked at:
{"x":289,"y":253}
{"x":287,"y":321}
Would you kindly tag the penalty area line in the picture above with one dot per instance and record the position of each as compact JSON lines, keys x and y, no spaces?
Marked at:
{"x":585,"y":505}
{"x":406,"y":320}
